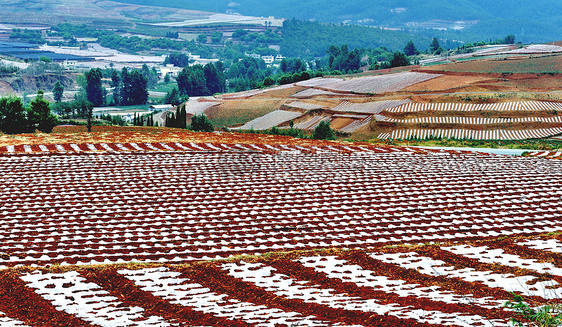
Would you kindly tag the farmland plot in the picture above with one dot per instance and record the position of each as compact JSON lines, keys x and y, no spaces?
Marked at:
{"x":178,"y":202}
{"x":474,"y":120}
{"x":196,"y":107}
{"x":356,"y":124}
{"x":311,"y":123}
{"x":303,"y":105}
{"x":495,"y":134}
{"x":316,"y":92}
{"x":448,"y":284}
{"x":369,"y":107}
{"x":536,"y":49}
{"x":167,"y":203}
{"x":455,"y":107}
{"x":314,"y":82}
{"x":251,"y":93}
{"x":271,"y":119}
{"x":379,"y":84}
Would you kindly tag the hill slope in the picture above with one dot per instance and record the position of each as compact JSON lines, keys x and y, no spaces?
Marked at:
{"x":530,"y":21}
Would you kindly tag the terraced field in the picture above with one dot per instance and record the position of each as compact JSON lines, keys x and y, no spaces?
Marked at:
{"x":377,"y":84}
{"x":488,"y":134}
{"x":511,"y":120}
{"x":456,"y":107}
{"x":169,"y":205}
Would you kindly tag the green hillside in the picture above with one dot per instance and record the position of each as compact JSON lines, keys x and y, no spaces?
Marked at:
{"x":536,"y":21}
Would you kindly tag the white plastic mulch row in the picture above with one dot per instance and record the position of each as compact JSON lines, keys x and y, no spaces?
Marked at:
{"x":507,"y":282}
{"x":313,"y":82}
{"x":128,"y":147}
{"x":69,"y":292}
{"x":6,"y":321}
{"x":250,"y":93}
{"x":168,"y":285}
{"x":341,"y":269}
{"x":380,"y":83}
{"x":79,"y":208}
{"x":474,"y":120}
{"x":282,"y":285}
{"x":355,"y":125}
{"x":197,"y":107}
{"x":551,"y":245}
{"x":316,"y":92}
{"x":369,"y":107}
{"x":271,"y":119}
{"x":313,"y":121}
{"x":536,"y":48}
{"x":487,"y":255}
{"x":497,"y":134}
{"x":502,"y":106}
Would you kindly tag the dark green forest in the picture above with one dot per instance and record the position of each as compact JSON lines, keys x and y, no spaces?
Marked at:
{"x":306,"y":39}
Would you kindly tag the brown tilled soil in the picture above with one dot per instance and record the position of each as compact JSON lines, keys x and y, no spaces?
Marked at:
{"x":283,"y":93}
{"x":116,"y":134}
{"x":448,"y":82}
{"x":341,"y":122}
{"x":242,"y":111}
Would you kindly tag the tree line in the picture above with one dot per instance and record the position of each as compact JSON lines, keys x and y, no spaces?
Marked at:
{"x":199,"y":123}
{"x":17,"y":118}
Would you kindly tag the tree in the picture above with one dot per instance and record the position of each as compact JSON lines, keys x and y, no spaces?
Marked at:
{"x":201,"y":38}
{"x":94,"y":90}
{"x":410,"y":49}
{"x":177,"y":59}
{"x":116,"y":84}
{"x":124,"y":86}
{"x":216,"y":37}
{"x":174,"y":97}
{"x":88,"y":108}
{"x":213,"y":81}
{"x":138,"y":88}
{"x":181,"y":117}
{"x":221,"y":76}
{"x":200,"y":123}
{"x":40,"y":116}
{"x":170,"y":120}
{"x":167,"y":78}
{"x":192,"y":82}
{"x":150,"y":75}
{"x":399,"y":59}
{"x":268,"y":81}
{"x":58,"y":91}
{"x":13,"y":117}
{"x":434,"y":46}
{"x":134,"y":87}
{"x":510,"y":39}
{"x":323,"y":131}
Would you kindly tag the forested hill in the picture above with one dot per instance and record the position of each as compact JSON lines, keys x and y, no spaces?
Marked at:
{"x":536,"y":21}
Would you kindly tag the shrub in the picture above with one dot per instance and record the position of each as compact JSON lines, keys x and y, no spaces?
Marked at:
{"x":200,"y":123}
{"x":323,"y":131}
{"x":545,"y":316}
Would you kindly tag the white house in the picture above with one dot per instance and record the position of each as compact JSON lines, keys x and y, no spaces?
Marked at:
{"x":168,"y":69}
{"x":268,"y":59}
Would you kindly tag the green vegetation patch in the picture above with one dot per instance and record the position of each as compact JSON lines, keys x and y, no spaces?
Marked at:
{"x":242,"y":114}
